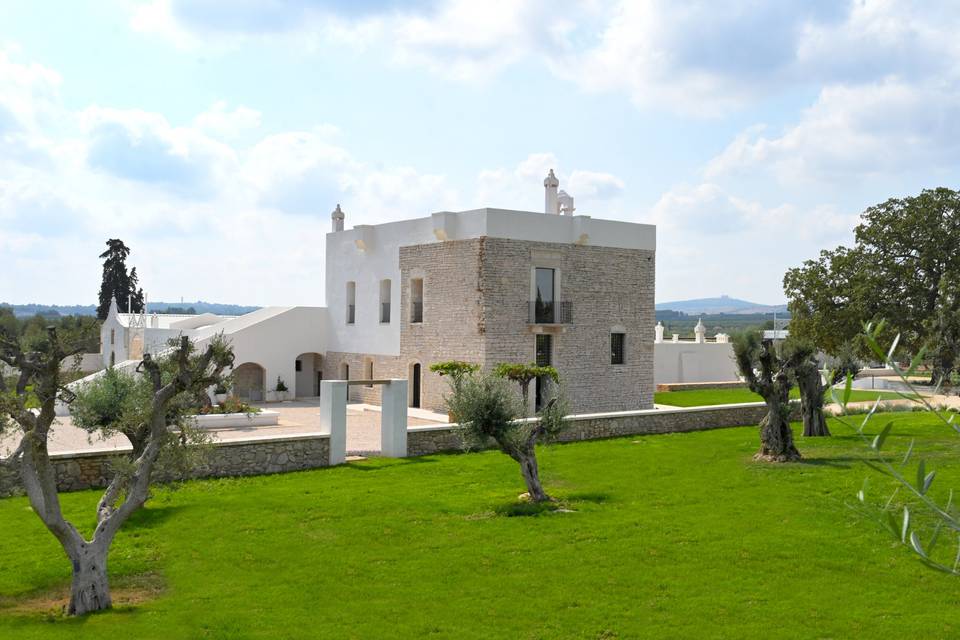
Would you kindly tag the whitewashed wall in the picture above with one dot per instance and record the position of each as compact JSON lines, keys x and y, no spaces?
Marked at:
{"x":693,"y":362}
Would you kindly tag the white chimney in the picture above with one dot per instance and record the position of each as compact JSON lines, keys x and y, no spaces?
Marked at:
{"x":551,"y":183}
{"x":337,"y":216}
{"x":566,"y":203}
{"x":658,"y":332}
{"x":700,"y":331}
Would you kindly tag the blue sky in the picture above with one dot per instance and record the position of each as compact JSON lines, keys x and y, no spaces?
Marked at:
{"x":215,"y":138}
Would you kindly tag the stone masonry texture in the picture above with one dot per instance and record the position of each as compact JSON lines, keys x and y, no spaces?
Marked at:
{"x":427,"y":440}
{"x":234,"y":458}
{"x":476,"y":298}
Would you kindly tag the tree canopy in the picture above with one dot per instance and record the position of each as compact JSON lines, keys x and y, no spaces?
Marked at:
{"x":904,"y":267}
{"x":117,"y":282}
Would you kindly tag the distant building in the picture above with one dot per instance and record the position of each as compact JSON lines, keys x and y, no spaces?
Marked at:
{"x":697,"y":360}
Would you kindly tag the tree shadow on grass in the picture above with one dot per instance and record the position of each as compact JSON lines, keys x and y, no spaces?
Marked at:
{"x":526,"y":509}
{"x":151,"y":515}
{"x":837,"y":462}
{"x":376,"y":463}
{"x":596,"y":497}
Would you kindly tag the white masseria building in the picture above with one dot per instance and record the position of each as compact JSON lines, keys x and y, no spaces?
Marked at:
{"x":486,"y":286}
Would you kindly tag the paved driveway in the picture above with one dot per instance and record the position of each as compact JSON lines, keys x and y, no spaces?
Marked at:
{"x":296,"y":417}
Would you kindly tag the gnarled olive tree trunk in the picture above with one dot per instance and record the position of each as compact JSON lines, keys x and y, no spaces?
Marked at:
{"x":526,"y":457}
{"x":90,"y":586}
{"x":768,"y":376}
{"x":811,"y":400}
{"x":776,"y":436}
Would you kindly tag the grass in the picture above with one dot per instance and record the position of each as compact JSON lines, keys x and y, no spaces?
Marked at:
{"x":705,"y":397}
{"x":667,"y":536}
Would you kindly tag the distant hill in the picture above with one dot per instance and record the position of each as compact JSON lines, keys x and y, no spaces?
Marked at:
{"x":26,"y":310}
{"x":723,"y":304}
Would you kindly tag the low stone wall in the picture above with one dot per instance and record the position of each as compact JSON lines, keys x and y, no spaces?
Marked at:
{"x":256,"y":456}
{"x":432,"y":439}
{"x":693,"y":386}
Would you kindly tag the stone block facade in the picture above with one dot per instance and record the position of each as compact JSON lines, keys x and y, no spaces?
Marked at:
{"x":476,"y":300}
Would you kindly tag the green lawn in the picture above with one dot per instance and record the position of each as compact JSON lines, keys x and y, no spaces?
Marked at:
{"x":705,"y":397}
{"x":671,"y":536}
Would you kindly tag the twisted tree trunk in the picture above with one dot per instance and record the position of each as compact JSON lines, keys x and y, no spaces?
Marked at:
{"x":527,"y":458}
{"x":90,"y":586}
{"x":776,"y":437}
{"x":811,"y":401}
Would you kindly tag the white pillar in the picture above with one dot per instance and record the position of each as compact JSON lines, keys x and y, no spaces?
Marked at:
{"x":658,"y":332}
{"x":393,"y":419}
{"x":333,"y":417}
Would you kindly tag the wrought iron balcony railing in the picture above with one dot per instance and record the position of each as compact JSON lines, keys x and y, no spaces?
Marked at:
{"x":550,"y":312}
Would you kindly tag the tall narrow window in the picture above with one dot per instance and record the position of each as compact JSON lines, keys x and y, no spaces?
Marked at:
{"x":544,"y":358}
{"x":543,"y":303}
{"x":112,"y":336}
{"x":416,"y":300}
{"x":351,"y":302}
{"x":368,"y":371}
{"x":385,"y":301}
{"x":616,"y":348}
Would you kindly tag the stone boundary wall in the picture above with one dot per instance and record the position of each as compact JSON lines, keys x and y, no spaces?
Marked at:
{"x":432,"y":439}
{"x":80,"y":470}
{"x":693,"y":386}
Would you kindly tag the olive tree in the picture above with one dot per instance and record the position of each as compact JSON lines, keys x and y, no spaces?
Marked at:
{"x":768,"y":375}
{"x":806,"y":372}
{"x":456,"y":370}
{"x":489,"y":410}
{"x":184,"y":372}
{"x":524,"y":374}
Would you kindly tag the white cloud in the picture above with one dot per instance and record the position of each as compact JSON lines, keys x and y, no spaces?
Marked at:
{"x":709,"y":241}
{"x":855,"y":131}
{"x":222,"y":122}
{"x":594,"y":184}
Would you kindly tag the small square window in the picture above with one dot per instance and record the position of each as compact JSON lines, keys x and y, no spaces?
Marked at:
{"x":298,"y":366}
{"x":616,"y":348}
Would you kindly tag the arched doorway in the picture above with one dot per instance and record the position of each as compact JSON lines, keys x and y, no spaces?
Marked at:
{"x":248,"y":381}
{"x":416,"y":385}
{"x":309,"y":373}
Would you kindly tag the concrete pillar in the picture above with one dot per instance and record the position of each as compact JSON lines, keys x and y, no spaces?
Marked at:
{"x":393,"y":419}
{"x":333,"y":417}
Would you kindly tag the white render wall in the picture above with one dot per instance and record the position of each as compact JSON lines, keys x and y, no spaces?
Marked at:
{"x":693,"y":362}
{"x":368,"y":254}
{"x":273,"y":337}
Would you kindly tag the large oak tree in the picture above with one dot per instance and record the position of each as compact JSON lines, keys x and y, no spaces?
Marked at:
{"x":904,"y":268}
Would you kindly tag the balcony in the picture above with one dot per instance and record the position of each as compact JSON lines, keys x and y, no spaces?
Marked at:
{"x":351,"y":313}
{"x":550,"y":312}
{"x":384,"y":312}
{"x":416,"y":312}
